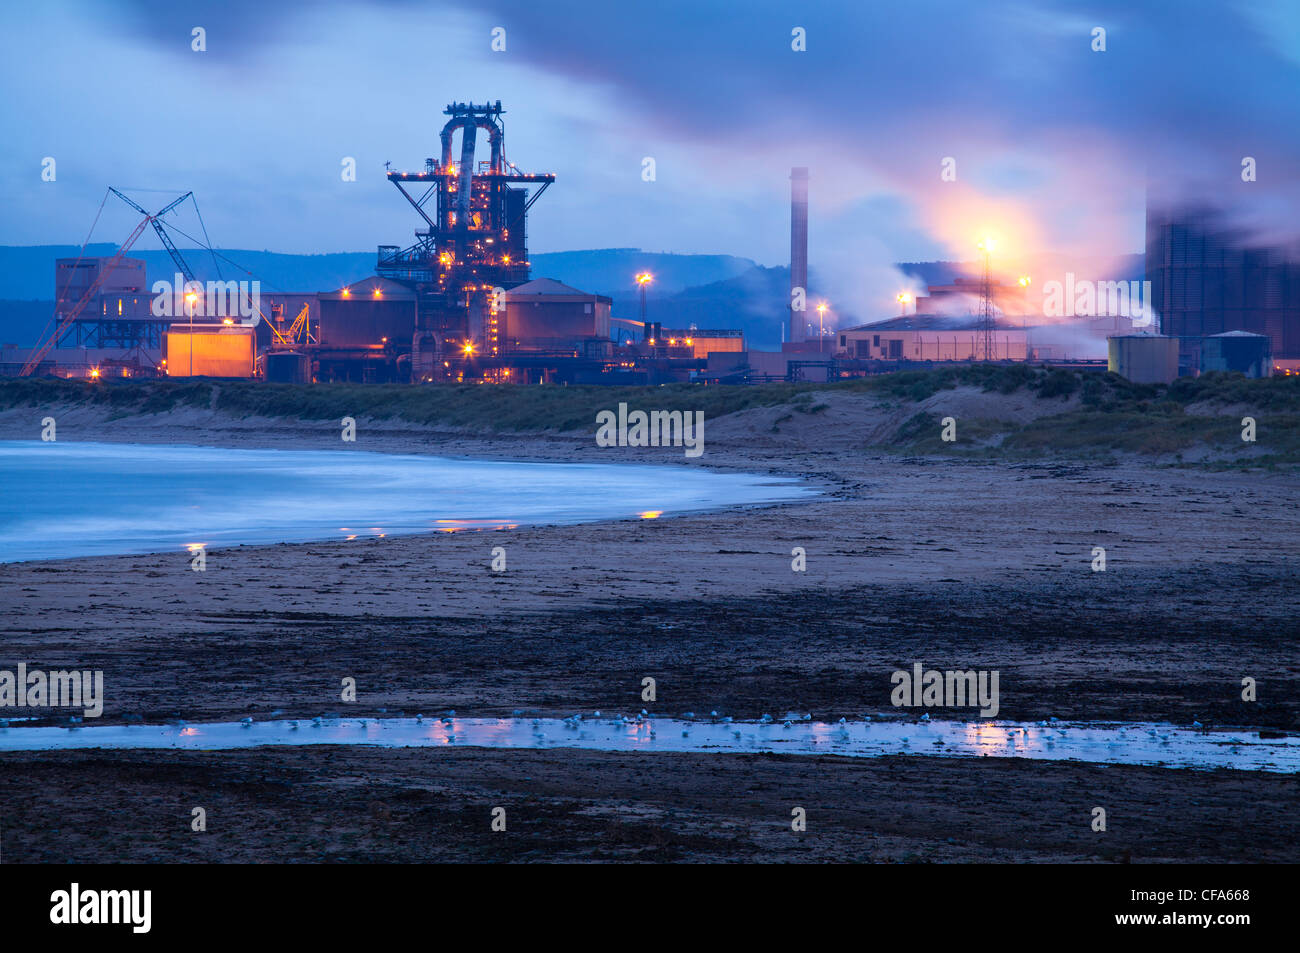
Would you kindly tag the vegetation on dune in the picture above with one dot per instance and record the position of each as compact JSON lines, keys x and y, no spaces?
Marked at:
{"x":1109,"y":415}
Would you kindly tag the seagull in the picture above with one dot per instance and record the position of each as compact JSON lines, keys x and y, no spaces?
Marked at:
{"x":246,"y":722}
{"x":926,"y":716}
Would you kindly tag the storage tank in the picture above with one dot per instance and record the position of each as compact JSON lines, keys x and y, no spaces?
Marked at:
{"x":210,"y":350}
{"x":1237,"y":351}
{"x":1143,"y":358}
{"x":288,"y":367}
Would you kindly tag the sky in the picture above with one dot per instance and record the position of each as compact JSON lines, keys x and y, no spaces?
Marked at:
{"x":1054,"y":144}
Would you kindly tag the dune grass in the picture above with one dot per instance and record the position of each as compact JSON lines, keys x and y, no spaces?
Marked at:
{"x":1111,"y":415}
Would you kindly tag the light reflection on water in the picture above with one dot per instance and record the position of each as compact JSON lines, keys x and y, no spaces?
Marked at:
{"x":1136,"y":744}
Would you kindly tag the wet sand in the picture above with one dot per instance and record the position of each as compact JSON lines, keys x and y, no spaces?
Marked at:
{"x":334,"y":805}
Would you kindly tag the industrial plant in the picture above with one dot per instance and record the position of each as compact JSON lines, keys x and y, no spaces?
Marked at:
{"x":460,"y":304}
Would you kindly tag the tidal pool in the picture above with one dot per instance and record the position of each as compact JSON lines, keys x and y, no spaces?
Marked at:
{"x":63,"y":499}
{"x":1134,"y":744}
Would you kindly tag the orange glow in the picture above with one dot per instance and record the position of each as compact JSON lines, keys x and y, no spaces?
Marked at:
{"x":378,"y":293}
{"x":1024,"y":281}
{"x":904,"y":298}
{"x":347,"y":293}
{"x":651,"y":514}
{"x":94,"y":372}
{"x":821,"y":308}
{"x":468,"y":348}
{"x":227,"y":320}
{"x":445,"y":258}
{"x":644,"y":278}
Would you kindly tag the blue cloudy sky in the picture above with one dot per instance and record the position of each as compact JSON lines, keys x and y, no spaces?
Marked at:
{"x":1054,"y":143}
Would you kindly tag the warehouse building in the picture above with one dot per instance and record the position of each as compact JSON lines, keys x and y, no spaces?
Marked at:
{"x":545,"y":315}
{"x":929,"y":337}
{"x":210,"y":350}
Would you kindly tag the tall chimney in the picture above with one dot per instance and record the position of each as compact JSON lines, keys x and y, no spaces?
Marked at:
{"x":798,"y":249}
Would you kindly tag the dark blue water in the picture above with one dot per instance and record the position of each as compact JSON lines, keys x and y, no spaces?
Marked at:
{"x":62,"y":499}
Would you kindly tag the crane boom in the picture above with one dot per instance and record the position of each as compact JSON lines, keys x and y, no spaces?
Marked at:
{"x":162,"y":233}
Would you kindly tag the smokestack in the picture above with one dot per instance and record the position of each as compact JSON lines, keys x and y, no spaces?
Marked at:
{"x":798,"y":249}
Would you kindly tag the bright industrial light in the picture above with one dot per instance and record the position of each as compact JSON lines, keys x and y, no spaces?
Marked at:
{"x":469,"y":347}
{"x":904,"y":298}
{"x":988,"y":243}
{"x":821,"y":308}
{"x":644,"y":278}
{"x":378,"y":293}
{"x":347,"y":293}
{"x":1024,"y":281}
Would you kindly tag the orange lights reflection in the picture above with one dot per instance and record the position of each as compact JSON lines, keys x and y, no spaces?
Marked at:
{"x":651,"y":514}
{"x":457,"y":526}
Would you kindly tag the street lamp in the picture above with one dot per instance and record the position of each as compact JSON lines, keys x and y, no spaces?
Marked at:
{"x":821,"y":330}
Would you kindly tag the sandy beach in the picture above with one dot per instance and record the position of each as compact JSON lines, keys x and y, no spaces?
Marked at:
{"x":956,"y":563}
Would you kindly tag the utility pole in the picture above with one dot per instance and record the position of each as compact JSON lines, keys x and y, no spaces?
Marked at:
{"x":643,"y":280}
{"x":986,"y":300}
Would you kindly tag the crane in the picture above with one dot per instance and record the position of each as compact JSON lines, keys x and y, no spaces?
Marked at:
{"x":162,"y":232}
{"x":289,"y":339}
